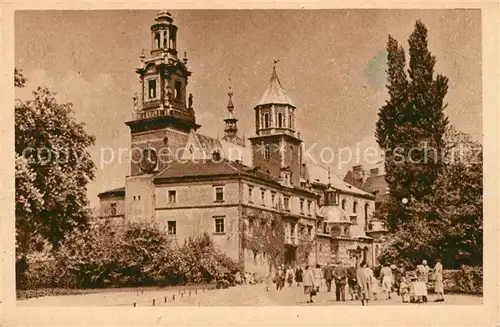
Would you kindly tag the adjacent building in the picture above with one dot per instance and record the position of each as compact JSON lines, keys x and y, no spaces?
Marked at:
{"x":253,"y":195}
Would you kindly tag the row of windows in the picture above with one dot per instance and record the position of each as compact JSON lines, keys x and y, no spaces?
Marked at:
{"x":219,"y":226}
{"x":274,"y":203}
{"x":218,"y":195}
{"x":152,"y":89}
{"x":280,"y":121}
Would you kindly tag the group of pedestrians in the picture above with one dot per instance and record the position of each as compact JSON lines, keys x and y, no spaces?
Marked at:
{"x":358,"y":281}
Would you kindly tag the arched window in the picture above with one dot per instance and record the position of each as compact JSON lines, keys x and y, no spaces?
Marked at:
{"x":178,"y":86}
{"x":343,"y":204}
{"x":280,"y":120}
{"x":366,"y":214}
{"x":266,"y":121}
{"x":157,"y":40}
{"x":165,"y":39}
{"x":354,"y":207}
{"x":290,"y":121}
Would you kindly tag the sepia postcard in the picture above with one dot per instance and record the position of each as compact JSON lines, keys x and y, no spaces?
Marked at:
{"x":267,"y":163}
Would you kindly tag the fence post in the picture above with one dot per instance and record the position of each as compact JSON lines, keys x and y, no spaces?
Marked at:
{"x":153,"y":302}
{"x":173,"y":297}
{"x":134,"y":304}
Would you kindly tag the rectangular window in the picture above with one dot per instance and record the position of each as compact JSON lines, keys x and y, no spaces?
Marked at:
{"x":172,"y":196}
{"x":310,"y":231}
{"x":273,"y":199}
{"x":250,"y":194}
{"x":172,"y":227}
{"x":286,"y":203}
{"x":302,"y":206}
{"x":263,"y":197}
{"x":152,"y":89}
{"x":309,"y":208}
{"x":219,"y":194}
{"x":219,"y":225}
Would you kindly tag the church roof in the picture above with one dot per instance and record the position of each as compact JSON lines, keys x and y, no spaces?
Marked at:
{"x":209,"y":167}
{"x":318,"y":174}
{"x":275,"y":93}
{"x":113,"y":192}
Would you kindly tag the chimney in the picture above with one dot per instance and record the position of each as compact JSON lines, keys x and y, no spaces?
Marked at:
{"x":374,"y":172}
{"x":358,"y":172}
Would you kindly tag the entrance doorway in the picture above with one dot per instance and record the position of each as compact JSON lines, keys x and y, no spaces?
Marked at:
{"x":290,"y":255}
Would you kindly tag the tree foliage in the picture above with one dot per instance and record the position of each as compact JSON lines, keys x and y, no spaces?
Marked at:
{"x":449,"y":224}
{"x":411,"y":121}
{"x":107,"y":254}
{"x":53,"y":168}
{"x":425,"y":163}
{"x":266,"y":234}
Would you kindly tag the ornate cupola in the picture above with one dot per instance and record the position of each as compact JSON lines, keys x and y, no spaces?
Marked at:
{"x":231,"y":128}
{"x":163,"y":110}
{"x":163,"y":77}
{"x":276,"y":146}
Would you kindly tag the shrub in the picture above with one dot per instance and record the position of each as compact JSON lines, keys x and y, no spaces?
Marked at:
{"x":465,"y":280}
{"x":132,"y":254}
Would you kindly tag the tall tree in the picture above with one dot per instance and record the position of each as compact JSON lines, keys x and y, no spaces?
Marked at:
{"x":53,"y":168}
{"x":411,"y":124}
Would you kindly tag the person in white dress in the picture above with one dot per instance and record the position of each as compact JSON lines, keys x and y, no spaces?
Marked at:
{"x":438,"y":281}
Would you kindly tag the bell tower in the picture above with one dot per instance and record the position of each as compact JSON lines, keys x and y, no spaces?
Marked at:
{"x":277,"y":147}
{"x":163,"y":110}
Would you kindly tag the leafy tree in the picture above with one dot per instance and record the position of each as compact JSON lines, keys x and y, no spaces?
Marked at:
{"x":265,"y":234}
{"x":449,"y":223}
{"x":52,"y":176}
{"x":411,"y":124}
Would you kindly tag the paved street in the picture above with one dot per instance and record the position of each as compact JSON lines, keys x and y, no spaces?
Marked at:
{"x":244,"y":295}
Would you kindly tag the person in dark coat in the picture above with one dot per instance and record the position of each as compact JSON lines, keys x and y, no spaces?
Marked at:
{"x":340,"y":275}
{"x":298,"y":275}
{"x":328,"y":275}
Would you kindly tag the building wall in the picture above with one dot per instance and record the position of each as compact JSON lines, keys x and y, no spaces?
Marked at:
{"x":196,"y":194}
{"x":105,"y":206}
{"x":139,"y":198}
{"x":192,"y":222}
{"x":195,"y":209}
{"x":361,"y":219}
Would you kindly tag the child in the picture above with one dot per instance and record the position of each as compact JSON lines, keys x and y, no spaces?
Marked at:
{"x":404,"y":288}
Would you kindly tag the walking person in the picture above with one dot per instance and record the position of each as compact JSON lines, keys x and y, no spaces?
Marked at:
{"x":289,"y":276}
{"x":340,"y":275}
{"x":318,"y":276}
{"x":298,"y":275}
{"x":386,"y":275}
{"x":374,"y":289}
{"x":364,"y":283}
{"x":309,"y":286}
{"x":328,"y":274}
{"x":438,"y":281}
{"x":278,"y":277}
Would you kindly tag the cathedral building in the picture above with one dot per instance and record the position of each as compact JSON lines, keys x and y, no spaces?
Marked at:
{"x":232,"y":187}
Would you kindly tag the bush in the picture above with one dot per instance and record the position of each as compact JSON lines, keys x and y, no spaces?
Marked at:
{"x":132,"y":254}
{"x":467,"y":280}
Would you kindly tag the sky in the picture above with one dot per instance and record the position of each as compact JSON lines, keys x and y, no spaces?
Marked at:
{"x":331,"y":62}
